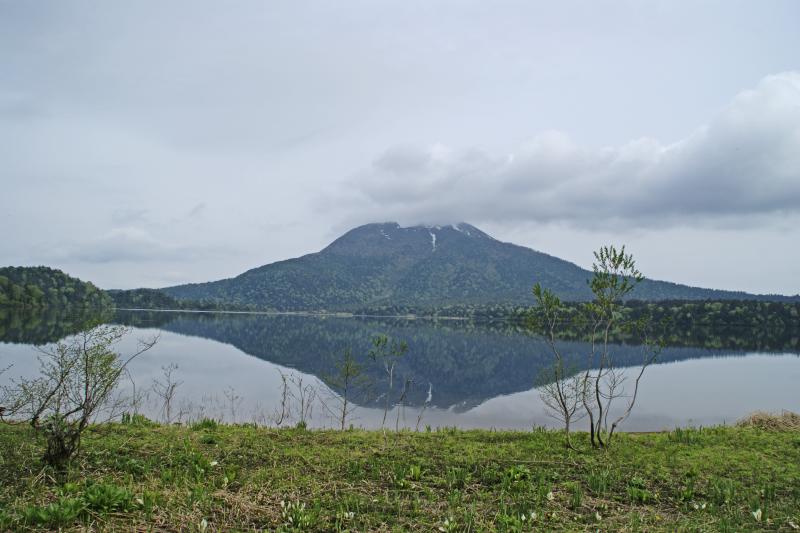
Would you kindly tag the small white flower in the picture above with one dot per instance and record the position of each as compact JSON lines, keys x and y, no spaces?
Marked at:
{"x":597,"y":516}
{"x":213,"y":463}
{"x":523,"y":517}
{"x":551,"y":496}
{"x":533,"y":516}
{"x":757,"y":515}
{"x":140,"y":501}
{"x":793,"y":525}
{"x":203,"y":524}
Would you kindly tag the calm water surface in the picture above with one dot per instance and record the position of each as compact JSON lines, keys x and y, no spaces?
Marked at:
{"x":460,"y":373}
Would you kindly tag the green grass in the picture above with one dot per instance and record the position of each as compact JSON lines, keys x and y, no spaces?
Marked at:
{"x":220,"y":477}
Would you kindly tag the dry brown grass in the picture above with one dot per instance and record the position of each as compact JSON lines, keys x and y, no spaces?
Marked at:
{"x":785,"y":421}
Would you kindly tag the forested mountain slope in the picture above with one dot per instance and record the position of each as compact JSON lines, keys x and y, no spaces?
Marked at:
{"x":420,"y":266}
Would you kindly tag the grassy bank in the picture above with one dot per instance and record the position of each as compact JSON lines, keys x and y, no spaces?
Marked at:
{"x":145,"y":476}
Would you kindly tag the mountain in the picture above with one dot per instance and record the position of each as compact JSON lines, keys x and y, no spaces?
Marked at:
{"x":419,"y":266}
{"x":42,"y":287}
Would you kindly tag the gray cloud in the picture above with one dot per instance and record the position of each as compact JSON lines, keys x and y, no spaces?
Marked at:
{"x":744,"y":162}
{"x":128,"y":244}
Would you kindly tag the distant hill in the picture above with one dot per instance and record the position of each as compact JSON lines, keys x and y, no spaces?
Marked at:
{"x":143,"y":299}
{"x":47,"y":287}
{"x":158,"y":299}
{"x":420,"y":266}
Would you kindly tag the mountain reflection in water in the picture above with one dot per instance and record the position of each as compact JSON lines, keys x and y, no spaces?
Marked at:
{"x":453,"y":366}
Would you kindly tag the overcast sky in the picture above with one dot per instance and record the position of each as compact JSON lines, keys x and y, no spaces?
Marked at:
{"x":152,"y":143}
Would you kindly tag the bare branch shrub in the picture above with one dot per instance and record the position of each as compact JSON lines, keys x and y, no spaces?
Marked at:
{"x":77,"y":379}
{"x":615,"y":276}
{"x":347,"y":381}
{"x":602,"y":383}
{"x":165,"y":389}
{"x":233,"y":401}
{"x":401,"y":402}
{"x":424,"y":406}
{"x":137,"y":397}
{"x":387,"y":352}
{"x":282,"y":412}
{"x":561,"y":391}
{"x":3,"y":394}
{"x":304,"y":396}
{"x":650,"y":351}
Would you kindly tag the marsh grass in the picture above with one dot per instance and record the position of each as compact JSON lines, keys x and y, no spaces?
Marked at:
{"x":213,"y":476}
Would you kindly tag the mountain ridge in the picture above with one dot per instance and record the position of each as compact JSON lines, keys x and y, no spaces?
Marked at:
{"x":385,"y":263}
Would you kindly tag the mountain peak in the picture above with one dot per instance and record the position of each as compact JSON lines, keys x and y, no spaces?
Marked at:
{"x":462,"y":227}
{"x":384,"y":264}
{"x":382,"y":238}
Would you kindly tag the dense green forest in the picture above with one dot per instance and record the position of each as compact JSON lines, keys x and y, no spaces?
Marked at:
{"x":682,"y":313}
{"x":44,"y":287}
{"x":727,"y":324}
{"x":157,"y":299}
{"x":47,"y":287}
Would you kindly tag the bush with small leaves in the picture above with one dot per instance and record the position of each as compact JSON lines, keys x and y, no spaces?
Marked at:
{"x":77,"y":381}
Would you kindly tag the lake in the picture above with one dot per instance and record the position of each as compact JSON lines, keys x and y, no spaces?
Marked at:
{"x":232,"y":366}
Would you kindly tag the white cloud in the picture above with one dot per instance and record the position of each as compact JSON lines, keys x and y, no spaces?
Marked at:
{"x":744,"y":162}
